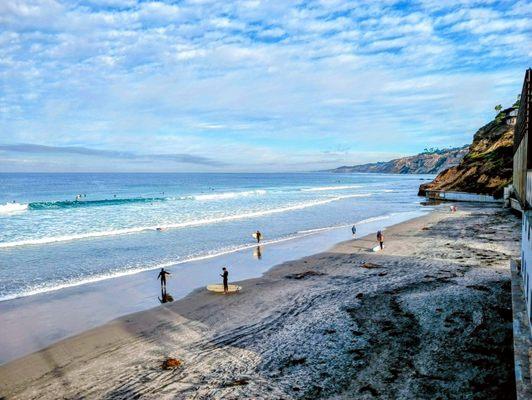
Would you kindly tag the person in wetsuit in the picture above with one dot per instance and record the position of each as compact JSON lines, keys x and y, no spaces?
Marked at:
{"x":380,"y":239}
{"x":258,"y":235}
{"x":162,"y":277}
{"x":225,"y":276}
{"x":354,"y":230}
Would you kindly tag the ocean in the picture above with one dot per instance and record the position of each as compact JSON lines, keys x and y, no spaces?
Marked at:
{"x":64,"y":230}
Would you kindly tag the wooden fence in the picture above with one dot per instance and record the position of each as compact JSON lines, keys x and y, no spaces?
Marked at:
{"x":522,"y":150}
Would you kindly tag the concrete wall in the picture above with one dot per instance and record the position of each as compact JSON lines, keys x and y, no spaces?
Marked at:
{"x":461,"y":196}
{"x":520,"y":169}
{"x":526,"y":261}
{"x":528,"y":196}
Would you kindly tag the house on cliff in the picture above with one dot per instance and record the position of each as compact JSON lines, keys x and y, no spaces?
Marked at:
{"x":511,"y":116}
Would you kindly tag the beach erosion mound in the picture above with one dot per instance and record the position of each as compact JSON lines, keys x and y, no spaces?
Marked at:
{"x":487,"y":166}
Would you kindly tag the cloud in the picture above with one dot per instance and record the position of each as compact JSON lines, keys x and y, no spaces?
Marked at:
{"x":246,"y":82}
{"x":122,"y":155}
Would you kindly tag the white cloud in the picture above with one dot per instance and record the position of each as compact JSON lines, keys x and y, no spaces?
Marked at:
{"x":276,"y":78}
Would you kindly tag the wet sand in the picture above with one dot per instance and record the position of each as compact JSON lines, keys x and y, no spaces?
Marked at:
{"x":428,"y":317}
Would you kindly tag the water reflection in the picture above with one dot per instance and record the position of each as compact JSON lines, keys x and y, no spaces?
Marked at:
{"x":257,"y":252}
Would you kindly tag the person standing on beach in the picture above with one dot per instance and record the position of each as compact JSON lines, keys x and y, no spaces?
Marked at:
{"x":162,"y":277}
{"x":258,"y":235}
{"x":225,"y":276}
{"x":354,"y":230}
{"x":380,"y":239}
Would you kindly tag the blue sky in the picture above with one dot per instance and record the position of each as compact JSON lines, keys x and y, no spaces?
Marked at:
{"x":200,"y":85}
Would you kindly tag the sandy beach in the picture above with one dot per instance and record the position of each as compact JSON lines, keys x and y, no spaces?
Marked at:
{"x":428,"y":317}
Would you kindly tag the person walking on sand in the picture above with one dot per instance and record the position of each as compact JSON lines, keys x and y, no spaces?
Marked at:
{"x":258,"y":235}
{"x":225,"y":276}
{"x":162,"y":277}
{"x":380,"y":239}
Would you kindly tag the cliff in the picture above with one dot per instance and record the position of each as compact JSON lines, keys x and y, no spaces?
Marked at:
{"x":487,"y":166}
{"x":431,"y":162}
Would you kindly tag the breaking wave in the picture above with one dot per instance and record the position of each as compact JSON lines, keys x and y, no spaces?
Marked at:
{"x":206,"y":221}
{"x":47,"y":205}
{"x":10,"y":208}
{"x":52,"y":205}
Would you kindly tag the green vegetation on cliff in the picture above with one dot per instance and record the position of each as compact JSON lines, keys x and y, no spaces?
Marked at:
{"x":487,"y":166}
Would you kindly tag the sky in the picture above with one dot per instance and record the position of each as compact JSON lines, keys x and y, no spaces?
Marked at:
{"x":250,"y":85}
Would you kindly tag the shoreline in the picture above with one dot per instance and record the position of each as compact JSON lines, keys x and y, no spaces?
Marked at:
{"x":428,"y":316}
{"x":220,"y":253}
{"x":36,"y":321}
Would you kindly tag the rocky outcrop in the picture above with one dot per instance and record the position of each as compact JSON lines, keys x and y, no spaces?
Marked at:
{"x":432,"y":162}
{"x":487,"y":166}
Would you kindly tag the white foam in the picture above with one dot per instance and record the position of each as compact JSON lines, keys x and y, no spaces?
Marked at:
{"x":328,"y":188}
{"x":327,"y":228}
{"x":10,"y":208}
{"x":207,"y":221}
{"x":373,"y":219}
{"x":228,"y":195}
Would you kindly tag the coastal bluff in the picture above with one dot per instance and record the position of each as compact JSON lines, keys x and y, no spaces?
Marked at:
{"x":487,"y":166}
{"x":431,"y":161}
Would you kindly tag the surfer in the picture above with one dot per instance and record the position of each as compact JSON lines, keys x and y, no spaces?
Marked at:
{"x":380,"y":239}
{"x":258,"y":235}
{"x":354,"y":230}
{"x":225,"y":276}
{"x":162,"y":277}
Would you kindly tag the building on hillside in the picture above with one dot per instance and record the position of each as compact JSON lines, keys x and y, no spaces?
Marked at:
{"x":511,"y":117}
{"x":522,"y":187}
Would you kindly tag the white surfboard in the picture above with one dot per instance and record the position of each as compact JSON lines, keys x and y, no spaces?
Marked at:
{"x":216,"y":288}
{"x":377,"y":248}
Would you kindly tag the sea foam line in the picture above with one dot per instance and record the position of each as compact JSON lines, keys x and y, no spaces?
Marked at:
{"x":361,"y":222}
{"x":208,"y":221}
{"x":228,"y":195}
{"x":328,"y":188}
{"x":117,"y":274}
{"x":126,"y":272}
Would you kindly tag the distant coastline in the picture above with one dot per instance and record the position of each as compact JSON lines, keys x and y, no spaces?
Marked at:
{"x":431,"y":161}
